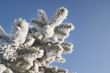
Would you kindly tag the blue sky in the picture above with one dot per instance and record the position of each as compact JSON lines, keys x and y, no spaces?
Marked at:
{"x":91,"y":36}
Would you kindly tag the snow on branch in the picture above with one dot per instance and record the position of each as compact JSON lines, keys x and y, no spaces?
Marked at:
{"x":31,"y":47}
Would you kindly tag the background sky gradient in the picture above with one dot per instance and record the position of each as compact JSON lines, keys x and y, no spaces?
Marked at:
{"x":91,"y":36}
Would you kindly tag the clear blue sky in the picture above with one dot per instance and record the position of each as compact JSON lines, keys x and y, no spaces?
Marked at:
{"x":91,"y":36}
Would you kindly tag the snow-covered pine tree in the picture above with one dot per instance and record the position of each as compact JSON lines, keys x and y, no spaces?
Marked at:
{"x":33,"y":46}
